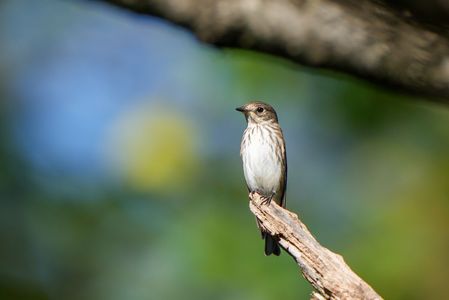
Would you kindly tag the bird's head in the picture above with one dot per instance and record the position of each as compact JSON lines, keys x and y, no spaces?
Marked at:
{"x":258,"y":112}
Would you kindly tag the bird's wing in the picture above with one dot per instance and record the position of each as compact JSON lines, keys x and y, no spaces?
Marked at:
{"x":283,"y":185}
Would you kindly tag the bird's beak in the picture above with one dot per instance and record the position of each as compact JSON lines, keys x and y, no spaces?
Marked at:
{"x":241,"y":109}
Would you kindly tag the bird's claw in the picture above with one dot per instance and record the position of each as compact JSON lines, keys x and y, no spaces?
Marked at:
{"x":266,"y":200}
{"x":251,"y":195}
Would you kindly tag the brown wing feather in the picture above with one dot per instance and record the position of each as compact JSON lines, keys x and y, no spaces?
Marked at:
{"x":283,"y":184}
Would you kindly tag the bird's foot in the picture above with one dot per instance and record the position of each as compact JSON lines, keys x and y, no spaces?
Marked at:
{"x":266,"y":200}
{"x":251,"y":195}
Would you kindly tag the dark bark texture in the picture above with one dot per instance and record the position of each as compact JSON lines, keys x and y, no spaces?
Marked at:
{"x":386,"y":44}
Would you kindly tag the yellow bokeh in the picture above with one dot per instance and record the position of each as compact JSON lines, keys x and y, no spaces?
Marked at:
{"x":154,"y":148}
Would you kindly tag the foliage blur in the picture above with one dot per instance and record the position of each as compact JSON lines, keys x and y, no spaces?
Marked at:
{"x":120,"y":175}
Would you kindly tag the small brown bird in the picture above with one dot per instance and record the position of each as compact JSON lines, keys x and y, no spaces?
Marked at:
{"x":264,"y":159}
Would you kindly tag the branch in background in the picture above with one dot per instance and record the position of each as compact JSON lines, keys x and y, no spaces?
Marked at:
{"x":326,"y":271}
{"x":364,"y":38}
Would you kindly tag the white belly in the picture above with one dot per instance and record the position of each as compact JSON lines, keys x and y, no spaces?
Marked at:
{"x":262,"y":169}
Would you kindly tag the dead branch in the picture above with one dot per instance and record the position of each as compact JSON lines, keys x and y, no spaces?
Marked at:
{"x":331,"y":277}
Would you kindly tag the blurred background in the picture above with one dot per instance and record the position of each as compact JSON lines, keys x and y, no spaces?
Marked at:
{"x":120,"y":175}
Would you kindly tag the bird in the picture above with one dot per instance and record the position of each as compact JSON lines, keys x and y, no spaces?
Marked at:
{"x":264,"y":159}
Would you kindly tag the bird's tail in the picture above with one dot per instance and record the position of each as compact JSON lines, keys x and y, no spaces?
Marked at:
{"x":271,"y":245}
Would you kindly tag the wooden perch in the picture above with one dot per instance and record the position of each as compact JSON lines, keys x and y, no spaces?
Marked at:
{"x":331,"y":277}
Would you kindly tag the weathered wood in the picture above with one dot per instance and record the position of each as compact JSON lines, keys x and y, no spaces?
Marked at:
{"x":328,"y":273}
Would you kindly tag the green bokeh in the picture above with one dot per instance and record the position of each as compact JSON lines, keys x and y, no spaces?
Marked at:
{"x":368,"y":173}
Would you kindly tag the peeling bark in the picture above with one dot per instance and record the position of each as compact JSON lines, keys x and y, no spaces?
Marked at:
{"x":328,"y":273}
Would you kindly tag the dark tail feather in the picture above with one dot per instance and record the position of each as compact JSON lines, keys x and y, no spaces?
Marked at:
{"x":271,"y":246}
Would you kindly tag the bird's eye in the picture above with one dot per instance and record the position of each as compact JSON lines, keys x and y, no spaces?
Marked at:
{"x":259,"y":109}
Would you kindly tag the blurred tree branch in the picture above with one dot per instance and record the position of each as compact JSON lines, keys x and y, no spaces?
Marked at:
{"x":366,"y":38}
{"x":326,"y":271}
